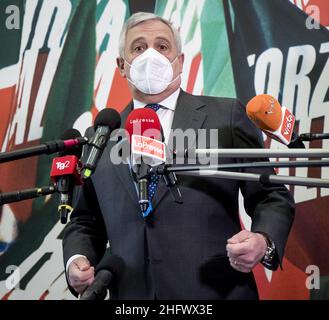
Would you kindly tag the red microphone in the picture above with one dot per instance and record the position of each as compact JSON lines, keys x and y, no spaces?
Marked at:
{"x":66,"y":166}
{"x":143,"y":130}
{"x":65,"y":174}
{"x":277,"y":122}
{"x":143,"y":122}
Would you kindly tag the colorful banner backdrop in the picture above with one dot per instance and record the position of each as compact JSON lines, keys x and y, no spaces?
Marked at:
{"x":58,"y":70}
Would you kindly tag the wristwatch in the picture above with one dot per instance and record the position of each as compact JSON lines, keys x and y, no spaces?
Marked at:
{"x":269,"y":260}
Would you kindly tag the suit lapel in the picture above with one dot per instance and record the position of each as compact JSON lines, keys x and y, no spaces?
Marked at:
{"x":187,"y":116}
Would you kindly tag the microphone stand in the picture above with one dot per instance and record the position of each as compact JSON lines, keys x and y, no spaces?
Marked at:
{"x":313,"y":136}
{"x":15,"y":196}
{"x":255,"y":153}
{"x":170,"y":180}
{"x":263,"y":178}
{"x":214,"y":171}
{"x":45,"y":148}
{"x":64,"y":209}
{"x":165,"y":169}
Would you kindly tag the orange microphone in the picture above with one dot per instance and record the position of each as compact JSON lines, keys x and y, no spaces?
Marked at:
{"x":276,"y":121}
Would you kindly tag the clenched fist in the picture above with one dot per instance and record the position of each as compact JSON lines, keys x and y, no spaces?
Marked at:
{"x":80,"y":274}
{"x":245,"y":250}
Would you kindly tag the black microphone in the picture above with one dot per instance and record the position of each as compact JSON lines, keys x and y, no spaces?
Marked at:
{"x":142,"y":177}
{"x":171,"y":182}
{"x":76,"y":150}
{"x":313,"y":136}
{"x":49,"y":147}
{"x":26,"y":194}
{"x":108,"y":272}
{"x":65,"y":174}
{"x":296,"y":142}
{"x":106,"y":121}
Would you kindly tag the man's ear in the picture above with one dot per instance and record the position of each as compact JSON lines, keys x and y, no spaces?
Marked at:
{"x":121,"y":67}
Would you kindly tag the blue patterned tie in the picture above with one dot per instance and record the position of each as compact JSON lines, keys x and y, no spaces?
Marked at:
{"x":153,"y":106}
{"x":154,"y":178}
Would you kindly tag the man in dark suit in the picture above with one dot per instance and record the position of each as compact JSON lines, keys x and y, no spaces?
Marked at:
{"x":194,"y":250}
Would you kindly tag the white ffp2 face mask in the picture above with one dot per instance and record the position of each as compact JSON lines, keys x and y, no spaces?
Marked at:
{"x":151,"y":72}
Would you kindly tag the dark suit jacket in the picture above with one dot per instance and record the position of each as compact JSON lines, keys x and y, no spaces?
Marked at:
{"x":181,"y":252}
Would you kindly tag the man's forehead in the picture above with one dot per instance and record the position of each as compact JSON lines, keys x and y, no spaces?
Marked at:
{"x":150,"y":27}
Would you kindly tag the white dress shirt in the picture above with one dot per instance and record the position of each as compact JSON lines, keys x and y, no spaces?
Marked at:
{"x":166,"y":114}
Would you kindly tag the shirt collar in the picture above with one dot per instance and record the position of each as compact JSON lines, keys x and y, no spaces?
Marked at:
{"x":169,"y":103}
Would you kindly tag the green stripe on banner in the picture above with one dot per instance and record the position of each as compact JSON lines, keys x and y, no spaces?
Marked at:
{"x":217,"y":66}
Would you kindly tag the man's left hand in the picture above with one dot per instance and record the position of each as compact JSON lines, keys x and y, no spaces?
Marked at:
{"x":245,"y":250}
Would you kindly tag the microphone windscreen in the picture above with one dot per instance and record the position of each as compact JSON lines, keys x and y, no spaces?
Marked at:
{"x":112,"y":263}
{"x":265,"y":111}
{"x":70,"y":134}
{"x":76,"y":150}
{"x":144,"y":122}
{"x":109,"y":118}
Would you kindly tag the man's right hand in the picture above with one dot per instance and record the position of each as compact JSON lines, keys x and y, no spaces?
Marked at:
{"x":81,"y":274}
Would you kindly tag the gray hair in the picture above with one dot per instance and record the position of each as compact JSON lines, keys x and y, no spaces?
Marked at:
{"x":140,"y":17}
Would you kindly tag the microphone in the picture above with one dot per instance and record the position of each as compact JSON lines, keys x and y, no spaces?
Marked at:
{"x":26,"y":194}
{"x":108,"y":271}
{"x":277,"y":122}
{"x":106,"y":121}
{"x":49,"y":147}
{"x":65,"y":174}
{"x":143,"y":130}
{"x":314,"y":136}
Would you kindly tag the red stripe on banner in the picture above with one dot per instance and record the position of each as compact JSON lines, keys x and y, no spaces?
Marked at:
{"x":19,"y":175}
{"x":7,"y":96}
{"x":308,"y":239}
{"x":317,"y":125}
{"x":94,"y":110}
{"x":119,"y":95}
{"x":7,"y":295}
{"x":294,"y":281}
{"x":44,"y":295}
{"x":193,"y":73}
{"x":38,"y":74}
